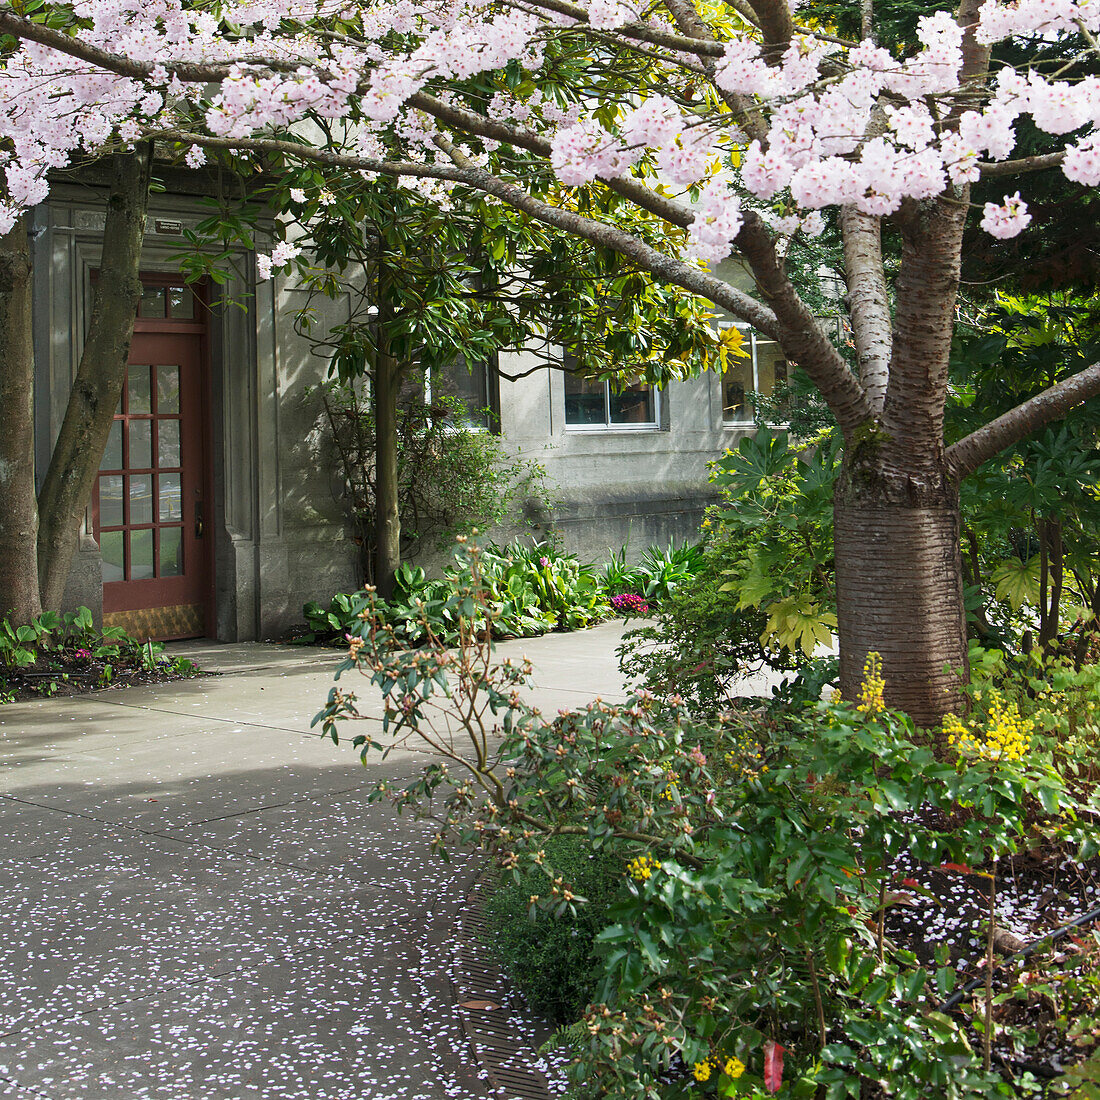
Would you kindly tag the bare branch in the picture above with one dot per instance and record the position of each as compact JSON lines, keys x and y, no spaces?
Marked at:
{"x":775,"y":20}
{"x":868,"y":301}
{"x":969,"y":453}
{"x":648,"y":258}
{"x":1037,"y":163}
{"x":802,"y":337}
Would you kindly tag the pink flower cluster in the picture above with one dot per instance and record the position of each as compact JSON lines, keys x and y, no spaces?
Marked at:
{"x":839,"y":124}
{"x":629,"y":604}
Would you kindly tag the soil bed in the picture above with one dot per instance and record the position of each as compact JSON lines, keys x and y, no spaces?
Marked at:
{"x":1048,"y":1018}
{"x":66,"y":672}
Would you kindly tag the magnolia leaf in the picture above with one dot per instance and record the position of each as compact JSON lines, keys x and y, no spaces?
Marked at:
{"x":1017,"y":582}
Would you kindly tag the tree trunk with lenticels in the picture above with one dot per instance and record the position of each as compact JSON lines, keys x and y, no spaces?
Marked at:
{"x":899,"y":588}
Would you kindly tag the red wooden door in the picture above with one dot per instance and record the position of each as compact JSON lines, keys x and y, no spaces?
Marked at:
{"x":150,"y":508}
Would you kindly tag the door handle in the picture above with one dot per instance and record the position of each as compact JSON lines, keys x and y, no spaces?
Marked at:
{"x":198,"y":519}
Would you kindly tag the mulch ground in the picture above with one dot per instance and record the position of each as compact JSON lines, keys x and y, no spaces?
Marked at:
{"x":63,"y":672}
{"x":1048,"y":1015}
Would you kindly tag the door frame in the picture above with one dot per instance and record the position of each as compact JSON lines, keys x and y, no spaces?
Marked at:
{"x":199,"y":328}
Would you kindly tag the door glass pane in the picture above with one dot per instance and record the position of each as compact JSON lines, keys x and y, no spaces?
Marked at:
{"x":110,"y":546}
{"x":141,"y":555}
{"x":633,"y":405}
{"x":112,"y":456}
{"x":110,"y":501}
{"x":171,"y":551}
{"x":585,"y":400}
{"x":137,"y":384}
{"x":152,"y":301}
{"x":141,"y":501}
{"x":182,"y":302}
{"x":141,"y":444}
{"x":171,"y":506}
{"x":168,"y":390}
{"x":168,"y":443}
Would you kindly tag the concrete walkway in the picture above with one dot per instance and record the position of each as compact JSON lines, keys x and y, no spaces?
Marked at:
{"x":199,"y":904}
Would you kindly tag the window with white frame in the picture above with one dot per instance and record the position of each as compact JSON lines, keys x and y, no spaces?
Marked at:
{"x":594,"y":405}
{"x":757,"y":371}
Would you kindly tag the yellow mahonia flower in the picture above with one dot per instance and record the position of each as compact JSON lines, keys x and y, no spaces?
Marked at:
{"x":733,"y":1068}
{"x":871,"y":690}
{"x":1006,"y":737}
{"x":702,"y":1071}
{"x":642,"y":868}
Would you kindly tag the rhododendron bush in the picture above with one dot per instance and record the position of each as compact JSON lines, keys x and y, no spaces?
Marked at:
{"x":737,"y":125}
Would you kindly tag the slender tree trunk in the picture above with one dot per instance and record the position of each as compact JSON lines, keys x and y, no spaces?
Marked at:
{"x":18,"y":509}
{"x":99,"y":378}
{"x":899,"y":587}
{"x":387,"y":548}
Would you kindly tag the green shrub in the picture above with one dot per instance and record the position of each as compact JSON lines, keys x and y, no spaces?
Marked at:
{"x":552,"y":960}
{"x":701,"y":641}
{"x":757,"y":862}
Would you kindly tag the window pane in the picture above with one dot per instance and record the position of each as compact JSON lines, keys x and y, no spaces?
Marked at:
{"x":137,"y":386}
{"x":168,"y":442}
{"x":171,"y":507}
{"x":771,"y":367}
{"x":171,"y":551}
{"x":110,"y":546}
{"x":141,"y":444}
{"x":470,"y":384}
{"x":736,"y":382}
{"x":112,"y":456}
{"x":110,"y":501}
{"x":141,"y":555}
{"x":168,"y":390}
{"x":585,"y":400}
{"x":182,"y":302}
{"x":633,"y":405}
{"x":141,"y":501}
{"x":152,"y":301}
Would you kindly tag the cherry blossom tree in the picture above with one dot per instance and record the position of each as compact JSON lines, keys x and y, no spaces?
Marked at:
{"x":739,"y":124}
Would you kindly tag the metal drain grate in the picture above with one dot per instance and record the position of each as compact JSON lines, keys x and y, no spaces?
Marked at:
{"x":506,"y":1059}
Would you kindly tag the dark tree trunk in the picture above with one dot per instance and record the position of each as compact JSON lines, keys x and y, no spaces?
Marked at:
{"x":387,"y":539}
{"x":899,"y":587}
{"x":19,"y":597}
{"x":78,"y":451}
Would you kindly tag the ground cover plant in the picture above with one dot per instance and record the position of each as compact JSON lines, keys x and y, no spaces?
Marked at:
{"x":530,"y":589}
{"x":786,"y":923}
{"x":64,"y":654}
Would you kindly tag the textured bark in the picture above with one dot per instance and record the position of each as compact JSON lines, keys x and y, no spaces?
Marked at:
{"x":18,"y":510}
{"x":868,"y":301}
{"x":926,"y":287}
{"x":972,"y":451}
{"x":899,"y":588}
{"x":93,"y":400}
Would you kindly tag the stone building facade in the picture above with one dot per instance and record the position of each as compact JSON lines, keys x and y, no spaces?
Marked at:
{"x":216,"y":512}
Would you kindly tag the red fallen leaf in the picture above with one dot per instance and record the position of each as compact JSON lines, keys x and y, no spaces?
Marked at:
{"x":911,"y":883}
{"x":480,"y":1006}
{"x":960,"y":867}
{"x":897,"y":897}
{"x":773,"y":1065}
